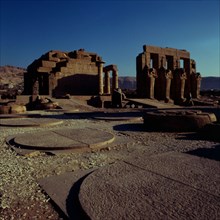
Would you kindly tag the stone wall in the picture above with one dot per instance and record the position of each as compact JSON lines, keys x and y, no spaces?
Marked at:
{"x":58,"y":73}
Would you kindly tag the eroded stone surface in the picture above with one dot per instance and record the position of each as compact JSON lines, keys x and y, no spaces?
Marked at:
{"x":130,"y":190}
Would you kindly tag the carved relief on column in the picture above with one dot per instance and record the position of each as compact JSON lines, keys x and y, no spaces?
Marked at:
{"x":195,"y":85}
{"x":163,"y":84}
{"x":152,"y":74}
{"x":169,"y":77}
{"x":182,"y":87}
{"x":179,"y":85}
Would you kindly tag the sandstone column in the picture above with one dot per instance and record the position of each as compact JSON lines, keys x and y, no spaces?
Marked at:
{"x":169,"y":77}
{"x":195,"y":85}
{"x":107,"y":82}
{"x":152,"y":74}
{"x":100,"y":72}
{"x":179,"y":86}
{"x":114,"y":80}
{"x":182,"y":85}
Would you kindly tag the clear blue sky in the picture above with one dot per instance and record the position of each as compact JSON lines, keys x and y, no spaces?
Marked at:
{"x":116,"y":30}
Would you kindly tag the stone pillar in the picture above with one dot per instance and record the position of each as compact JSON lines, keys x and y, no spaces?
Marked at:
{"x":114,"y":80}
{"x":169,"y":77}
{"x":152,"y":74}
{"x":35,"y":90}
{"x":179,"y":86}
{"x":182,"y":85}
{"x":160,"y":82}
{"x":100,"y":72}
{"x":163,"y":84}
{"x":107,"y":82}
{"x":51,"y":84}
{"x":195,"y":85}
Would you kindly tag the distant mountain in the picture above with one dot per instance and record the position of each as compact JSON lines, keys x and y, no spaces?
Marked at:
{"x":127,"y":82}
{"x":210,"y":82}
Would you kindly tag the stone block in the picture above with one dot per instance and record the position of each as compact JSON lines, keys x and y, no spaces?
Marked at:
{"x":45,"y":63}
{"x":66,"y":70}
{"x":14,"y":108}
{"x":44,"y":69}
{"x":55,"y":59}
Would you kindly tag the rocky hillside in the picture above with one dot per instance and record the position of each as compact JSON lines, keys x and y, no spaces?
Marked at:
{"x":11,"y":78}
{"x":209,"y":83}
{"x":127,"y":82}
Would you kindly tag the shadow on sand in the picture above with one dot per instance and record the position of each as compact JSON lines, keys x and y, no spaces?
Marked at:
{"x":130,"y":127}
{"x":73,"y":206}
{"x":210,"y":153}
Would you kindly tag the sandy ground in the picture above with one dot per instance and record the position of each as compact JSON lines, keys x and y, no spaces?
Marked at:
{"x":22,"y":198}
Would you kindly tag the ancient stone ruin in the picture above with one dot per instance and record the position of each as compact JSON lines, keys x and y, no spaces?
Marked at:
{"x":167,"y":74}
{"x":78,"y":72}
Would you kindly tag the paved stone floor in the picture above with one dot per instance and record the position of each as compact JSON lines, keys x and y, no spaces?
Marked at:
{"x":169,"y":185}
{"x":140,"y":175}
{"x":84,"y":139}
{"x":29,"y":122}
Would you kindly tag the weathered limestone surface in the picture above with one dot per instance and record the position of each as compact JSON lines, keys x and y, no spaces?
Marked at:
{"x":84,"y":139}
{"x":78,"y":72}
{"x":152,"y":188}
{"x":174,"y":75}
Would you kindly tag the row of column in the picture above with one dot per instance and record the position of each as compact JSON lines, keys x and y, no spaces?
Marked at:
{"x":165,"y":85}
{"x":105,"y":85}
